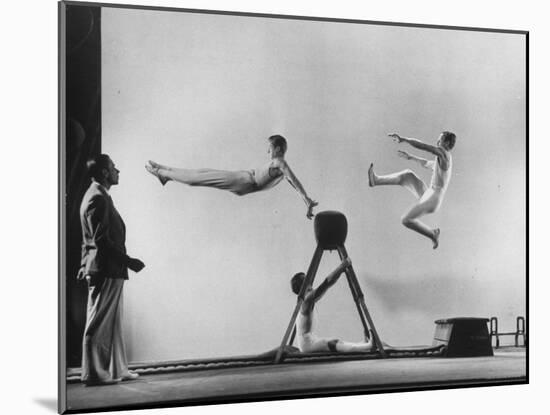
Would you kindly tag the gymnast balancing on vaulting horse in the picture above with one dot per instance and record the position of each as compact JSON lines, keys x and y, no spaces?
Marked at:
{"x":240,"y":182}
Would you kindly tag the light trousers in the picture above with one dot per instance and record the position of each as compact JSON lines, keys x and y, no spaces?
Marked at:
{"x":103,"y":348}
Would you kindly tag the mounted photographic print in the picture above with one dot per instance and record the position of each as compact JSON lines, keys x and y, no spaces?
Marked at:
{"x":258,"y":207}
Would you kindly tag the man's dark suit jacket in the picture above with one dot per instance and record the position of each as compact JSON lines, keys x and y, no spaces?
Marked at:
{"x":103,"y":236}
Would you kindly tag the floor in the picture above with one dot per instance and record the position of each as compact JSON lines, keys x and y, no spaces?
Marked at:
{"x":287,"y":380}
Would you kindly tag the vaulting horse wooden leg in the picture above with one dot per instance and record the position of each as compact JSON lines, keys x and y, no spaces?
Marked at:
{"x":359,"y":299}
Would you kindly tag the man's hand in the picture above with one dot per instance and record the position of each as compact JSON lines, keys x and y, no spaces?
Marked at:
{"x":404,"y":154}
{"x":310,"y":206}
{"x":396,"y":137}
{"x":80,"y":276}
{"x":135,"y":264}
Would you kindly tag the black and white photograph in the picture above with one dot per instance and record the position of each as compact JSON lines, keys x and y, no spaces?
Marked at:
{"x":259,"y":207}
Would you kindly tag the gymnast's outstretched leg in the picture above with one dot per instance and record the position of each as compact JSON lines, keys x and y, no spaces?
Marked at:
{"x":319,"y":345}
{"x":350,"y":347}
{"x":405,"y":178}
{"x":238,"y":182}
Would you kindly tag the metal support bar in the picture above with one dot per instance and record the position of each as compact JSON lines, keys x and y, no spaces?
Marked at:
{"x":494,"y":331}
{"x":520,"y":332}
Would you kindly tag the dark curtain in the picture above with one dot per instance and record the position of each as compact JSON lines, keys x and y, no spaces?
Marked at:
{"x":83,"y":140}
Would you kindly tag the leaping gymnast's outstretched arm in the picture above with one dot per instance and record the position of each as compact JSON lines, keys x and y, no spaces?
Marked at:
{"x":438,"y":151}
{"x":428,"y":164}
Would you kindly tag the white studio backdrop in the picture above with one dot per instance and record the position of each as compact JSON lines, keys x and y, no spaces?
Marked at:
{"x":195,"y":90}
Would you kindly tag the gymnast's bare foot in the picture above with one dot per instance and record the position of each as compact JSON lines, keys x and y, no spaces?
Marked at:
{"x":372,"y":176}
{"x":155,"y":172}
{"x":435,"y":238}
{"x":158,"y":166}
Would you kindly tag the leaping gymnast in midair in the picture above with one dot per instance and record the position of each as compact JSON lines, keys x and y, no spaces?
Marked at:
{"x":240,"y":182}
{"x":429,"y":198}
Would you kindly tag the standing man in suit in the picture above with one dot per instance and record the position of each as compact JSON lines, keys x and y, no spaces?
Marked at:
{"x":104,"y":266}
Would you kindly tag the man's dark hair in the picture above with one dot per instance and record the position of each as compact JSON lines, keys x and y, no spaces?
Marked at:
{"x":449,"y":138}
{"x":278,"y":141}
{"x":297,"y":281}
{"x":96,"y":164}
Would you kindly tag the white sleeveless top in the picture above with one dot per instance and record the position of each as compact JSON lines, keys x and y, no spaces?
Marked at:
{"x":440,"y":177}
{"x":267,"y":176}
